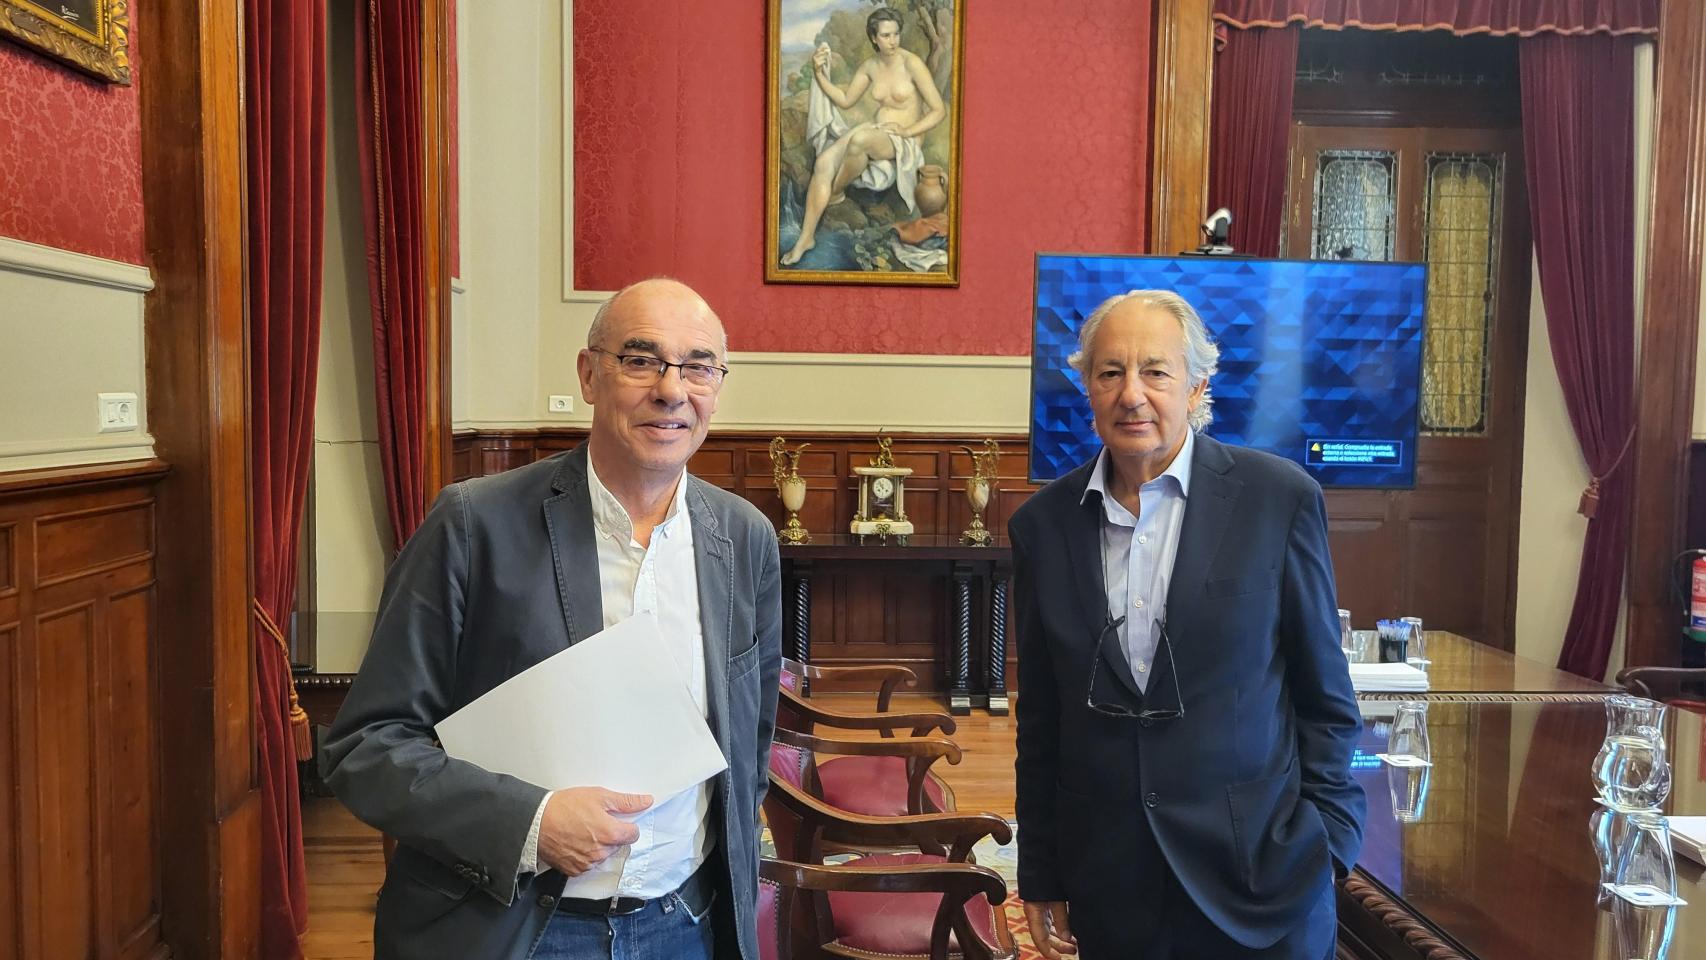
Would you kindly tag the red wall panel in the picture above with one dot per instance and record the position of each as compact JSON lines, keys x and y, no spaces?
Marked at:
{"x":669,"y":168}
{"x":70,"y":156}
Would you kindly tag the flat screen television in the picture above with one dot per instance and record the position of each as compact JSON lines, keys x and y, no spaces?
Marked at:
{"x":1320,"y":360}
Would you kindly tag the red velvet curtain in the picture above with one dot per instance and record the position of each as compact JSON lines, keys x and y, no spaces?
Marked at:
{"x":388,"y":86}
{"x":285,"y":122}
{"x":1578,"y":133}
{"x":1497,"y":17}
{"x":1250,"y":126}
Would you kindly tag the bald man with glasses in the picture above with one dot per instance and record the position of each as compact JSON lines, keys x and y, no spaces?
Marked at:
{"x":510,"y":569}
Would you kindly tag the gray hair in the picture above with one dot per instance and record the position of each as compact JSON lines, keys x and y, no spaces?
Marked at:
{"x":601,"y":319}
{"x":1202,"y":355}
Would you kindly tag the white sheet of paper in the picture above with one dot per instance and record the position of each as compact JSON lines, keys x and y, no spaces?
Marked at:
{"x":611,"y":711}
{"x":1688,"y":837}
{"x":1395,"y":677}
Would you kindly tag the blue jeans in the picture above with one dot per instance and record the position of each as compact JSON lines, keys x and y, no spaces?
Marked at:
{"x":665,"y":929}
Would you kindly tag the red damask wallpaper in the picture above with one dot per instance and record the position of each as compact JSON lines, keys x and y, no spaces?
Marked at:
{"x":669,"y":168}
{"x":70,"y":156}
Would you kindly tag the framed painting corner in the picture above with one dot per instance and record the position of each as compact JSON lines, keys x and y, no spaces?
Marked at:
{"x":90,"y":35}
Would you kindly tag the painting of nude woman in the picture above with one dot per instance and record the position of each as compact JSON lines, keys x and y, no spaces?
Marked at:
{"x":862,"y":172}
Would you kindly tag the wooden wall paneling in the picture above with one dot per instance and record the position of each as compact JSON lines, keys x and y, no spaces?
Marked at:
{"x":1665,"y":379}
{"x":462,"y":453}
{"x":1445,"y":580}
{"x":79,"y":866}
{"x":196,"y":338}
{"x":1182,"y":82}
{"x":1359,"y":525}
{"x":8,"y":560}
{"x":61,"y":720}
{"x":13,"y":889}
{"x":128,"y":749}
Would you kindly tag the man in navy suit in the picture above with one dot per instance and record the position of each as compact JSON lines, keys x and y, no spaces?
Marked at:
{"x":1186,"y":718}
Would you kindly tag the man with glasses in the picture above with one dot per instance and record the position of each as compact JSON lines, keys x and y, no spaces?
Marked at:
{"x":1186,"y":719}
{"x":506,"y":571}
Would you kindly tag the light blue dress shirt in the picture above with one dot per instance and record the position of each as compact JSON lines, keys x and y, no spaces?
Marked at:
{"x":1138,"y":553}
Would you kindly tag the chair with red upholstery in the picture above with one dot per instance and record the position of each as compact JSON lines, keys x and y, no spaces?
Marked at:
{"x":885,"y":906}
{"x":884,"y":919}
{"x":873,"y":778}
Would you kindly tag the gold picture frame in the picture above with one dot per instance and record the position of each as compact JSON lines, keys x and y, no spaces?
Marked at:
{"x":91,"y":35}
{"x":898,"y":222}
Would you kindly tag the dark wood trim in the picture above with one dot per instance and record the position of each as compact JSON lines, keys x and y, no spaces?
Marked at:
{"x":1664,"y":400}
{"x":196,"y":337}
{"x":435,"y":229}
{"x":83,"y":475}
{"x":1361,"y":897}
{"x":1181,"y":84}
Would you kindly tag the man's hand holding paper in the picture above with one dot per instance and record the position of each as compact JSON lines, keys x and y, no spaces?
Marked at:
{"x":589,"y":718}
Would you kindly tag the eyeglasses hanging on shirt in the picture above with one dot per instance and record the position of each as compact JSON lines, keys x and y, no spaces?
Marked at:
{"x":1156,"y":702}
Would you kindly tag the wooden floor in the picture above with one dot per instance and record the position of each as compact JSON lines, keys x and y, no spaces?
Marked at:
{"x":345,"y":866}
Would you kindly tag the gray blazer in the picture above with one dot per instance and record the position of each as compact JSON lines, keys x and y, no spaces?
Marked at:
{"x":502,"y":574}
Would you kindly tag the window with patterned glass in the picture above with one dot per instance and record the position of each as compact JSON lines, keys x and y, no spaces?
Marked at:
{"x":1355,"y":200}
{"x":1460,"y":245}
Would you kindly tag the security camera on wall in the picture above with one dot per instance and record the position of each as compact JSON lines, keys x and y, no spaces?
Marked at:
{"x":1217,"y":231}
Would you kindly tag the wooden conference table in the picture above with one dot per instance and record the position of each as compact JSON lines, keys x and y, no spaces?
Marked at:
{"x":1463,"y":669}
{"x":1501,"y":866}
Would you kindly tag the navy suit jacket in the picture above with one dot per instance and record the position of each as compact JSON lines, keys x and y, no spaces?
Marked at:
{"x":1248,"y":795}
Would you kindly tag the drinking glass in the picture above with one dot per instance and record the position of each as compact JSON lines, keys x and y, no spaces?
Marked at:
{"x":1608,"y":828}
{"x":1416,"y":654}
{"x":1646,"y":869}
{"x":1409,"y":767}
{"x":1643,"y":933}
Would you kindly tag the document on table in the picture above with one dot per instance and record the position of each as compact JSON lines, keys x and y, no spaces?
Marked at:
{"x":1688,"y":837}
{"x":611,"y":711}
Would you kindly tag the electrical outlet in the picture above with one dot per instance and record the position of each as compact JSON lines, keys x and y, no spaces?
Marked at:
{"x":561,"y":404}
{"x":117,"y":412}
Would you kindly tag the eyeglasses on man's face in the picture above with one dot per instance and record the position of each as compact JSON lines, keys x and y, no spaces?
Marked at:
{"x":644,"y":370}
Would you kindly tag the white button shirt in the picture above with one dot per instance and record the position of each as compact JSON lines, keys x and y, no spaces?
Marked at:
{"x":662,"y":580}
{"x":1138,"y":553}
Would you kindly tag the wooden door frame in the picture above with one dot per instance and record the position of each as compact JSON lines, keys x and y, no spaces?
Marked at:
{"x":1664,"y":380}
{"x":1181,"y":82}
{"x":436,"y":92}
{"x":196,"y":335}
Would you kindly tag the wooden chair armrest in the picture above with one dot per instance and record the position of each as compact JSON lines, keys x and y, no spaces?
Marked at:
{"x":961,"y":880}
{"x":918,"y":748}
{"x":944,"y":834}
{"x":1648,"y":681}
{"x":920,"y":724}
{"x":888,"y":675}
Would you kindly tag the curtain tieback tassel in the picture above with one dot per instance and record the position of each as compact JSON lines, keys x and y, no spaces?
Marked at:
{"x":1589,"y":505}
{"x":300,"y":731}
